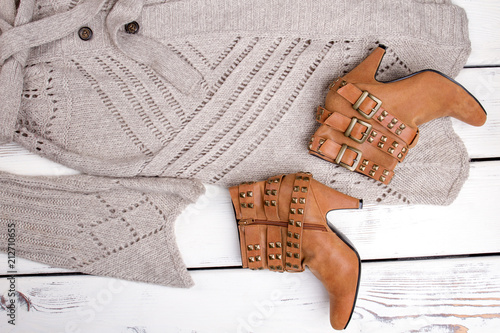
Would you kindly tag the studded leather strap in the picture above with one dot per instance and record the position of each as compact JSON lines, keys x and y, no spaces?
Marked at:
{"x":350,"y":158}
{"x":362,"y":132}
{"x":295,"y":223}
{"x":254,"y":251}
{"x":246,"y":200}
{"x":271,"y":191}
{"x":370,"y":107}
{"x":275,"y":248}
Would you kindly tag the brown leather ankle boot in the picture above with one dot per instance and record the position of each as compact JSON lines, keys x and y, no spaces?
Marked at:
{"x":282,"y":226}
{"x":368,"y":126}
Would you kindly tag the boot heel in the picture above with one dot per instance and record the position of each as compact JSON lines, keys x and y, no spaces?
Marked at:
{"x":365,"y":72}
{"x":329,"y":199}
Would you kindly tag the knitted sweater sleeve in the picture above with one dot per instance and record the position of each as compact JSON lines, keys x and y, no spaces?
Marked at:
{"x":116,"y":227}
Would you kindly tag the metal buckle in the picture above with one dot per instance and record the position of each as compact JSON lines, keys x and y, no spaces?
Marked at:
{"x":360,"y":100}
{"x":353,"y":123}
{"x":352,"y":167}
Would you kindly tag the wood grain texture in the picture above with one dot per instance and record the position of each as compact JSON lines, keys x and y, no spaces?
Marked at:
{"x":18,"y":160}
{"x":469,"y":225}
{"x":484,"y":84}
{"x":484,"y":25}
{"x":453,"y":295}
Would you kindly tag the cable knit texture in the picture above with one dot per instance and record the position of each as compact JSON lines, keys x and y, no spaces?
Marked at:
{"x":212,"y":91}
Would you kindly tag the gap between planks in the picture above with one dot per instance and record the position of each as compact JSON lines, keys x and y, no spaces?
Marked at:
{"x":412,"y":296}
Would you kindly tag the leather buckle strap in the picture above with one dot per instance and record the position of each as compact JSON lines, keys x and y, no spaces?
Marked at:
{"x":344,"y":124}
{"x":361,"y":99}
{"x":361,"y":131}
{"x":333,"y":152}
{"x":355,"y":162}
{"x":353,"y":123}
{"x":358,"y":99}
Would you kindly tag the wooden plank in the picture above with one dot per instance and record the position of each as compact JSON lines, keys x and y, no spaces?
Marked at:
{"x":18,"y":160}
{"x":484,"y":84}
{"x":469,"y":225}
{"x":207,"y":235}
{"x":24,"y":266}
{"x":452,"y":295}
{"x":484,"y":25}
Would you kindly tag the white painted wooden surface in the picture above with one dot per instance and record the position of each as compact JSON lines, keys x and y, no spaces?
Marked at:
{"x":427,"y":295}
{"x":484,"y":84}
{"x":446,"y":296}
{"x":484,"y":25}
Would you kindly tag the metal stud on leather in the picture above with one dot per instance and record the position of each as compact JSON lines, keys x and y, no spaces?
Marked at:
{"x":296,"y":234}
{"x":271,"y":197}
{"x":300,"y":192}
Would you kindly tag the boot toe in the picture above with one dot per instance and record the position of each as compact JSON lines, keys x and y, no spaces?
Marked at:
{"x":342,"y":306}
